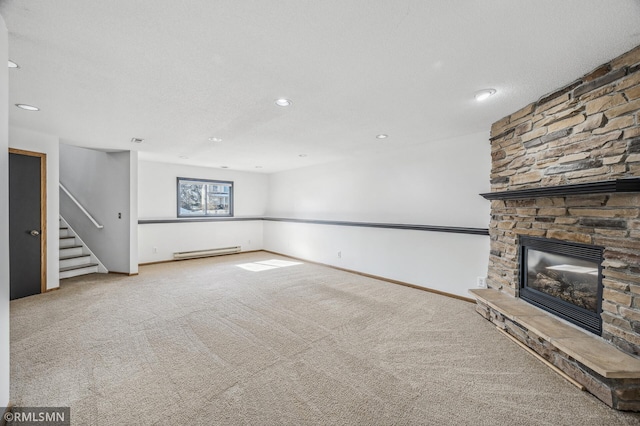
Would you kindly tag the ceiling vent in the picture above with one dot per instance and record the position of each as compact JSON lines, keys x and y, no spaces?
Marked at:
{"x":137,"y":140}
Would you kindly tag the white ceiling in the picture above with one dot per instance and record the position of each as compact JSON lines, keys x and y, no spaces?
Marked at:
{"x":178,"y":72}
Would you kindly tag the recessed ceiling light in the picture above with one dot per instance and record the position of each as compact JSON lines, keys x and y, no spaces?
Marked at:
{"x":213,"y":139}
{"x":485,"y":94}
{"x":224,"y":167}
{"x":302,"y":155}
{"x":184,"y":157}
{"x":258,"y":167}
{"x":137,"y":140}
{"x":28,"y":107}
{"x":382,"y":136}
{"x":13,"y":64}
{"x":283,"y":102}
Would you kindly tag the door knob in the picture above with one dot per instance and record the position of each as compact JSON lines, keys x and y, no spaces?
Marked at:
{"x":35,"y":233}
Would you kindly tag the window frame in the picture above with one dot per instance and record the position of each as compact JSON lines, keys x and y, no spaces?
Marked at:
{"x":229,"y":183}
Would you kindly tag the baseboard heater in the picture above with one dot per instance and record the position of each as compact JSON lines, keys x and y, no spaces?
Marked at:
{"x":206,"y":253}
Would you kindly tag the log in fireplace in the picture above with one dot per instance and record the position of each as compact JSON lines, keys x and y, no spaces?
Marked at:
{"x":563,"y":278}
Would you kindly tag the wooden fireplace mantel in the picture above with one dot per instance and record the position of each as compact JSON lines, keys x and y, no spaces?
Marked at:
{"x":604,"y":187}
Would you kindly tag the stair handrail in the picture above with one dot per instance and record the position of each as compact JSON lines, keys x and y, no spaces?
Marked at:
{"x":82,"y":209}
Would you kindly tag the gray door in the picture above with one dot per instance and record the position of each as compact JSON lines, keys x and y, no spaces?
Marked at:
{"x":25,"y":225}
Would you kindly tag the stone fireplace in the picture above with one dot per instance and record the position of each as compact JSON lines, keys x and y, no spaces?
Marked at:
{"x":566,"y":169}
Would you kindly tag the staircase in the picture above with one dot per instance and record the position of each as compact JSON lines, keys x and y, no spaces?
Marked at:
{"x":75,"y":257}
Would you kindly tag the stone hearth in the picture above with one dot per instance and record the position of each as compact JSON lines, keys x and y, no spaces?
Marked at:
{"x":586,"y":132}
{"x":605,"y":371}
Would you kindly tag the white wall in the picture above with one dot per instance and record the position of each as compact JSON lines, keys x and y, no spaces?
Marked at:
{"x":133,"y":212}
{"x":157,"y":199}
{"x":39,"y":142}
{"x":102,"y":183}
{"x":4,"y":219}
{"x":440,"y":261}
{"x":158,"y":242}
{"x":157,"y":196}
{"x":431,"y":184}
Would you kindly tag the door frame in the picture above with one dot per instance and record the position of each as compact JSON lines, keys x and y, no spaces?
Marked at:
{"x":43,"y":212}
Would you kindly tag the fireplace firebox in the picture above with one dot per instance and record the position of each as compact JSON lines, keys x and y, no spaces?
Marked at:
{"x":563,"y":278}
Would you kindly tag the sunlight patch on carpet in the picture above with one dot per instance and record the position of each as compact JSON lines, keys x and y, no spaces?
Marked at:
{"x":267,"y":264}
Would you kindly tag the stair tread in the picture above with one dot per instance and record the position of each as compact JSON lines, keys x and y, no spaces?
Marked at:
{"x":72,"y":245}
{"x":71,"y":268}
{"x":77,"y":256}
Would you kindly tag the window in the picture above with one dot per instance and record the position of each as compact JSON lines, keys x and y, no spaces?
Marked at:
{"x":199,"y":197}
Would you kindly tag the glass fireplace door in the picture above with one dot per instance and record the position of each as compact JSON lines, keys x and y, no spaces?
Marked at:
{"x":563,"y":278}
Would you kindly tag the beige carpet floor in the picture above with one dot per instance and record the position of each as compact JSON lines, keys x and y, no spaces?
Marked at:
{"x":208,"y":342}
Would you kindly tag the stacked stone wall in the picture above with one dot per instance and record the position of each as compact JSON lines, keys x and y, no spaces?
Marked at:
{"x":588,"y":131}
